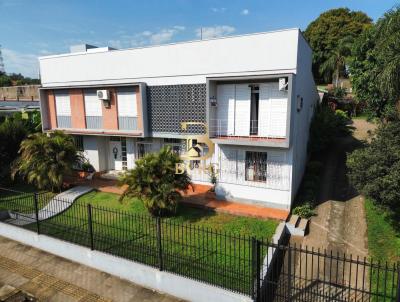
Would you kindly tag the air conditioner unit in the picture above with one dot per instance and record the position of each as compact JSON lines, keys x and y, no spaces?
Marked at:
{"x":283,"y":84}
{"x":103,"y":94}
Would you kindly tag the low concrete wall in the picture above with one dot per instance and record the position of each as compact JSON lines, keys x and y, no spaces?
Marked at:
{"x":26,"y":92}
{"x":140,"y":274}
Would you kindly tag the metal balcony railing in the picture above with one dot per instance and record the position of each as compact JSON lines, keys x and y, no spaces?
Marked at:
{"x":94,"y":122}
{"x":246,"y":128}
{"x":127,"y":123}
{"x":63,"y":121}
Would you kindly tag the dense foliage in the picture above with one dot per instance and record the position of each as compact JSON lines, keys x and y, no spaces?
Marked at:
{"x":375,"y":170}
{"x":14,"y":129}
{"x":329,"y":35}
{"x":326,"y":125}
{"x":375,"y":68}
{"x":155,"y":181}
{"x":45,"y":159}
{"x":16,"y":80}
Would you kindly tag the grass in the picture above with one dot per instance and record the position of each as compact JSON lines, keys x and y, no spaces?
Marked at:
{"x":244,"y":226}
{"x":204,"y":245}
{"x":383,"y":244}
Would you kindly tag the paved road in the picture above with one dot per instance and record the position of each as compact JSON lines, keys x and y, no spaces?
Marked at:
{"x":51,"y":278}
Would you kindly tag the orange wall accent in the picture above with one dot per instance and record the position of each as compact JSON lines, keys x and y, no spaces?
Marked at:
{"x":110,"y":115}
{"x":51,"y":107}
{"x":77,"y":109}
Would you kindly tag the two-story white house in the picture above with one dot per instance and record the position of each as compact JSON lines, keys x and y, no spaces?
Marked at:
{"x":255,"y":93}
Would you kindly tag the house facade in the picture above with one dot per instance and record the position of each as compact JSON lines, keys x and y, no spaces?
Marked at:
{"x":252,"y":97}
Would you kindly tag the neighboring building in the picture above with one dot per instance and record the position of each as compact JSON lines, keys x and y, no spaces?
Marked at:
{"x":255,"y":92}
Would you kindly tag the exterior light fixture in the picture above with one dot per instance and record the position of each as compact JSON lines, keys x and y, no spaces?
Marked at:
{"x":213,"y":101}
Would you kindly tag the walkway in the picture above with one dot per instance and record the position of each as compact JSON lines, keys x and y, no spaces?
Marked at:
{"x":56,"y":205}
{"x":202,"y":197}
{"x":55,"y":279}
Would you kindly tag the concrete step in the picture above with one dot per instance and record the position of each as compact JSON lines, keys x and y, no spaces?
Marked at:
{"x":297,"y":226}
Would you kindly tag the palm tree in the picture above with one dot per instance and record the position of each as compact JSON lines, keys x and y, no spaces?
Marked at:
{"x":45,"y":159}
{"x":155,"y":181}
{"x":336,"y":61}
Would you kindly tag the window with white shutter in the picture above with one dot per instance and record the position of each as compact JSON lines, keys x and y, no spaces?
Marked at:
{"x":127,"y":109}
{"x":63,"y":109}
{"x":93,"y":110}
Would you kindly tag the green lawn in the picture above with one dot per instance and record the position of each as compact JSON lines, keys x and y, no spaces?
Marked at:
{"x":383,"y":244}
{"x":200,"y":244}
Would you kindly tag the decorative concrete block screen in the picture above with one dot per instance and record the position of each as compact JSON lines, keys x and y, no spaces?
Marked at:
{"x":170,"y":105}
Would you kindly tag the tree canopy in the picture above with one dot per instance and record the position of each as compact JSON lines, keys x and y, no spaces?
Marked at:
{"x":327,"y":31}
{"x":375,"y":67}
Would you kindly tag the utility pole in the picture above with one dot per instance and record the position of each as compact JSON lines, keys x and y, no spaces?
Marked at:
{"x":2,"y":70}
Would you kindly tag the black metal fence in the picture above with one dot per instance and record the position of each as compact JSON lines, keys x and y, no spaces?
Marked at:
{"x":256,"y":268}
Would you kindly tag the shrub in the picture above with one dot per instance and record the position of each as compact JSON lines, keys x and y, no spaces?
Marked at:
{"x":46,"y":159}
{"x":375,"y":169}
{"x":154,"y":180}
{"x":325,"y":127}
{"x":304,"y":211}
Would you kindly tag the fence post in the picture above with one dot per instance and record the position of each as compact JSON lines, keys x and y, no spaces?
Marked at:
{"x":289,"y":274}
{"x":255,"y":269}
{"x":89,"y":209}
{"x":36,"y":203}
{"x":159,"y":244}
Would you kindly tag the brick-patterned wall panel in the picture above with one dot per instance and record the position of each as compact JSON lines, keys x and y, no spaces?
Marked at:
{"x":170,"y":105}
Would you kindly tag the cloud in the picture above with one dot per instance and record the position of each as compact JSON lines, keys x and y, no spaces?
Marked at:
{"x":16,"y":62}
{"x":147,"y":37}
{"x":213,"y":32}
{"x":218,"y":9}
{"x":245,"y":12}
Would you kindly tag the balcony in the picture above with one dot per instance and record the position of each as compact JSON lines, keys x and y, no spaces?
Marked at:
{"x":63,"y":121}
{"x":94,"y":122}
{"x":127,"y":123}
{"x":253,"y":130}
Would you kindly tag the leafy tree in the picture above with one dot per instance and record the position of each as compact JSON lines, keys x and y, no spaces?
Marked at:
{"x":155,"y":181}
{"x":5,"y":81}
{"x":375,"y":170}
{"x":335,"y":62}
{"x":46,"y":159}
{"x":375,"y":68}
{"x":325,"y":33}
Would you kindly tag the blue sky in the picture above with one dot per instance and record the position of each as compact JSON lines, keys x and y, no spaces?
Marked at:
{"x":35,"y":28}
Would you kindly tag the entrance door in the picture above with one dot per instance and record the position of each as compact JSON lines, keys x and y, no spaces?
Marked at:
{"x":115,"y":155}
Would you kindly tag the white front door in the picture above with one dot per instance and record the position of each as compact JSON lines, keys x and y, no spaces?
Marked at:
{"x":115,"y":155}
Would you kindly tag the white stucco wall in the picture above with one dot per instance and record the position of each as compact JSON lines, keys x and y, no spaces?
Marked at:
{"x":188,"y":62}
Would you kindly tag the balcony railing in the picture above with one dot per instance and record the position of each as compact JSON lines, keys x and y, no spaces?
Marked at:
{"x":127,"y":123}
{"x":220,"y":128}
{"x":63,"y":121}
{"x":94,"y":122}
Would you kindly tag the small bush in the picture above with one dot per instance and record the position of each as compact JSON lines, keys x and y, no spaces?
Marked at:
{"x":304,"y":211}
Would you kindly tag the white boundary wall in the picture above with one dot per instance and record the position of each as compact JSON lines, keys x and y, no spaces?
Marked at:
{"x":140,"y":274}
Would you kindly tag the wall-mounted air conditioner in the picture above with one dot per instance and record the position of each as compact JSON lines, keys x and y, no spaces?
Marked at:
{"x":104,"y":95}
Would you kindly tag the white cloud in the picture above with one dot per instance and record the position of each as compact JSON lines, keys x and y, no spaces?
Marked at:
{"x":16,"y":62}
{"x":147,"y":37}
{"x":218,"y":9}
{"x":213,"y":32}
{"x":245,"y":12}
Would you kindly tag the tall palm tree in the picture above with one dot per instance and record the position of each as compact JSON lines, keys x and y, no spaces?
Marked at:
{"x":335,"y":64}
{"x":45,"y":159}
{"x":155,"y":181}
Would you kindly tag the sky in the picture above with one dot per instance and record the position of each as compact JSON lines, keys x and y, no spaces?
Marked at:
{"x":29,"y":29}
